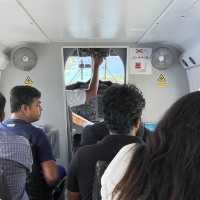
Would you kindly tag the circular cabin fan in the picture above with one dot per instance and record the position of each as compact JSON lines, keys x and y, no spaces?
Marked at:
{"x":162,"y":58}
{"x":23,"y":58}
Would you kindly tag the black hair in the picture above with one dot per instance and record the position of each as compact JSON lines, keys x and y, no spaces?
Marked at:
{"x":168,"y":166}
{"x":122,"y":107}
{"x":20,"y":95}
{"x":2,"y":105}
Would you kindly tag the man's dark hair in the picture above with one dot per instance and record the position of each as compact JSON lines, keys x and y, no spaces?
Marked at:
{"x":122,"y":107}
{"x":20,"y":95}
{"x":2,"y":105}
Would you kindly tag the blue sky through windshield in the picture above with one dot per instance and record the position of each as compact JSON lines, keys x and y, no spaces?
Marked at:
{"x":112,"y":69}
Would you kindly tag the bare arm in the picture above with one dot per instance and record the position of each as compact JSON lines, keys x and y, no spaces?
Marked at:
{"x":73,"y":195}
{"x":94,"y":82}
{"x":50,"y":171}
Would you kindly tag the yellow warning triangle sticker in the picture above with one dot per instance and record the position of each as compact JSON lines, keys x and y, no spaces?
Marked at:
{"x":161,"y":78}
{"x":162,"y":81}
{"x":28,"y":81}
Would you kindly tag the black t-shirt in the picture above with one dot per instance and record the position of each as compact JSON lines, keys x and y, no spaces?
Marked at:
{"x":93,"y":133}
{"x":82,"y":167}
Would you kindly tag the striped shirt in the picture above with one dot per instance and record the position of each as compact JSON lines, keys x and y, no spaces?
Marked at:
{"x":15,"y":161}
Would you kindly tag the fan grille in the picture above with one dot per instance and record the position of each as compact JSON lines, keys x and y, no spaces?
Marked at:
{"x":24,"y":58}
{"x":162,"y":58}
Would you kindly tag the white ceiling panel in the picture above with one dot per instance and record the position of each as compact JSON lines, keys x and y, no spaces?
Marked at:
{"x":16,"y":26}
{"x":180,"y":25}
{"x":99,"y":20}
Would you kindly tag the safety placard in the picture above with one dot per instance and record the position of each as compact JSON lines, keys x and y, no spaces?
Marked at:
{"x":162,"y":81}
{"x":28,"y":81}
{"x":140,"y":61}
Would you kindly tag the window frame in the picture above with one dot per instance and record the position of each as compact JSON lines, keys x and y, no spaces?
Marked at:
{"x":126,"y":68}
{"x":74,"y":71}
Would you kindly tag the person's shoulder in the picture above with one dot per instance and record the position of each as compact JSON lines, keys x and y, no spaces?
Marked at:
{"x":90,"y":128}
{"x":87,"y":150}
{"x":127,"y":148}
{"x":118,"y":165}
{"x":37,"y":134}
{"x":99,"y":126}
{"x":21,"y":139}
{"x":13,"y":138}
{"x":124,"y":155}
{"x":125,"y":152}
{"x":37,"y":130}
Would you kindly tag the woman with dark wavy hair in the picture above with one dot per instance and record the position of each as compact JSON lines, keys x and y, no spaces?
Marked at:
{"x":168,"y":166}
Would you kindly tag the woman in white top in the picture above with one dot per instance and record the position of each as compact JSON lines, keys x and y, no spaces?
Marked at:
{"x":115,"y":171}
{"x":166,"y":167}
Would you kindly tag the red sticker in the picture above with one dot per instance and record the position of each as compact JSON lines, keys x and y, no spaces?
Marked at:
{"x":138,"y":65}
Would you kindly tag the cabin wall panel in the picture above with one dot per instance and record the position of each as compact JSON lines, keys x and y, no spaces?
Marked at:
{"x":158,"y":99}
{"x":193,"y":77}
{"x":47,"y":76}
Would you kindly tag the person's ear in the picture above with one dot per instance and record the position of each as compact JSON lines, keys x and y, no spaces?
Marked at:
{"x":136,"y":127}
{"x":24,"y":108}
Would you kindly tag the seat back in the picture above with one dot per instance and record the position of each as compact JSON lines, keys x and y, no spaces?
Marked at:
{"x":99,"y":170}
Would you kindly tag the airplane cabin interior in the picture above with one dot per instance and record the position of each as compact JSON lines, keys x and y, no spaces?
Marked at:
{"x":48,"y":44}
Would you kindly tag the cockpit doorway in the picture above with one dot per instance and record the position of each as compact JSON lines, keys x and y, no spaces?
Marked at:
{"x":77,"y":74}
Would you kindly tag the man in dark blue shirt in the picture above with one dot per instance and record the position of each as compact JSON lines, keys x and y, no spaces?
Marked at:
{"x":25,"y":109}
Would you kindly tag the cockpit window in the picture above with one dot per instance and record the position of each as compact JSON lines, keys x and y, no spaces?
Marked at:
{"x":78,"y":69}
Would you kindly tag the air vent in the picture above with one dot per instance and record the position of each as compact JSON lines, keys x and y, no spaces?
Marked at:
{"x":185,"y":63}
{"x":192,"y":60}
{"x":191,"y":57}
